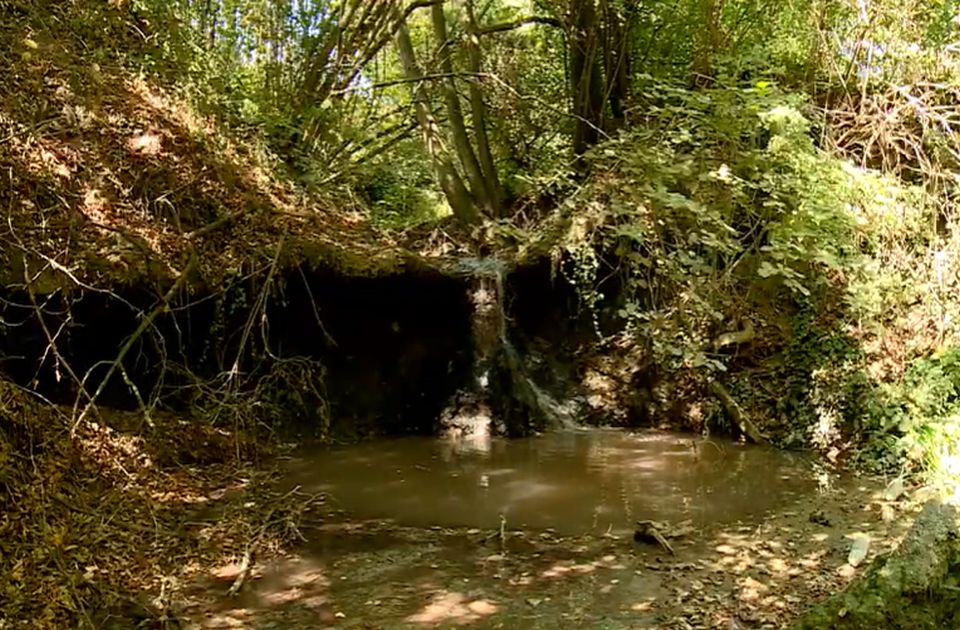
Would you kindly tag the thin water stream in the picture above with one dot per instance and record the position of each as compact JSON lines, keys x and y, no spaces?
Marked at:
{"x":573,"y":482}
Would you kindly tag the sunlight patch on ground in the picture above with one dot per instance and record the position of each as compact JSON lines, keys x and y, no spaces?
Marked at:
{"x":297,"y":581}
{"x":236,"y":618}
{"x":453,"y":608}
{"x":295,"y":584}
{"x":562,"y":569}
{"x":145,"y":144}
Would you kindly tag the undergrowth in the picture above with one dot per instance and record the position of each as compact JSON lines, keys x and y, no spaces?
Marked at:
{"x":821,"y":291}
{"x":94,"y":528}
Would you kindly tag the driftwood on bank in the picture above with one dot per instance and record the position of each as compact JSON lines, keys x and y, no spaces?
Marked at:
{"x":915,"y":587}
{"x":747,"y":427}
{"x":649,"y":532}
{"x":736,"y":413}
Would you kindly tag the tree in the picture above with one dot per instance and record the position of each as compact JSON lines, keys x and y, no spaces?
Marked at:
{"x":449,"y":179}
{"x":600,"y":65}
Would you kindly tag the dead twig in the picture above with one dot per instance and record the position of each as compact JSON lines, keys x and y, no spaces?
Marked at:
{"x":145,"y":323}
{"x":50,"y":338}
{"x":270,"y":520}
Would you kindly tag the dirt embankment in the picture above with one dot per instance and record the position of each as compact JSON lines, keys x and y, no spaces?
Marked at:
{"x":168,"y":301}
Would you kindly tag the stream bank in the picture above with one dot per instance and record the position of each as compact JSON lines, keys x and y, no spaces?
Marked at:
{"x":386,"y":352}
{"x":324,"y":353}
{"x":195,"y":391}
{"x":228,"y":376}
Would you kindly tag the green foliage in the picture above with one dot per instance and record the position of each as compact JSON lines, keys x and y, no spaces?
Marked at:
{"x":722,"y":197}
{"x":260,"y":65}
{"x":399,"y":192}
{"x":721,"y":192}
{"x":719,"y":209}
{"x":923,"y":415}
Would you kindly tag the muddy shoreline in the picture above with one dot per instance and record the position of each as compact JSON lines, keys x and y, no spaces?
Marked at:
{"x":759,"y":573}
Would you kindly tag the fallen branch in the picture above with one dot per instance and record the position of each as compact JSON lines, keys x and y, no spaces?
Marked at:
{"x":250,"y":551}
{"x":730,"y":338}
{"x":736,"y":413}
{"x":246,"y":565}
{"x":144,"y":325}
{"x":649,"y":532}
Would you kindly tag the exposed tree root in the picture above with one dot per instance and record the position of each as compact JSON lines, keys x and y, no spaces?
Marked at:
{"x":736,"y":413}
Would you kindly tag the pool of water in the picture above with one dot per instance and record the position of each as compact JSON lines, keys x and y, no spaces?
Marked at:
{"x":576,"y":482}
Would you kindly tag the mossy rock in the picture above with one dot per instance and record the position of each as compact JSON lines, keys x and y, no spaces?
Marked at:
{"x":915,"y":587}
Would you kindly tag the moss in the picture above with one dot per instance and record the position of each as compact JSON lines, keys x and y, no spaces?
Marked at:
{"x":914,"y":588}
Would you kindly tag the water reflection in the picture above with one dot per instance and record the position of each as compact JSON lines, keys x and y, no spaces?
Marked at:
{"x":573,"y":482}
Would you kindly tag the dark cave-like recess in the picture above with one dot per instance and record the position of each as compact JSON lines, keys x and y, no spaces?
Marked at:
{"x":394,"y":348}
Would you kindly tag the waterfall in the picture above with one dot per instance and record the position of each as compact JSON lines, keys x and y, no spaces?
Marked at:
{"x":517,"y":405}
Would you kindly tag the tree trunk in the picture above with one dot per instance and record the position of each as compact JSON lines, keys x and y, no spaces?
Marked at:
{"x":458,"y":128}
{"x":586,"y":83}
{"x":213,"y":10}
{"x":616,"y":62}
{"x":478,"y":111}
{"x":708,"y":42}
{"x":456,"y":193}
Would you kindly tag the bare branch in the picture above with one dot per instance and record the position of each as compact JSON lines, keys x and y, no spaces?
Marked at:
{"x":515,"y":24}
{"x":146,"y":323}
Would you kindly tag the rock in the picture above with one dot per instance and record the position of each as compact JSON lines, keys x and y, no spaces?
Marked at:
{"x":859,"y":549}
{"x":819,"y":518}
{"x":911,"y":588}
{"x":893,"y":490}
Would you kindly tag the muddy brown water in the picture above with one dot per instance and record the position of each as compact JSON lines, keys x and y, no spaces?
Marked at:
{"x":407,"y":536}
{"x":590,"y":481}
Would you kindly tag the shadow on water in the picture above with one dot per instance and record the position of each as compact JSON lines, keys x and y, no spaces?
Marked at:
{"x":573,"y":482}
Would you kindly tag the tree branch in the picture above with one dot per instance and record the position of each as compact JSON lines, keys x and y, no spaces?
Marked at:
{"x":515,"y":24}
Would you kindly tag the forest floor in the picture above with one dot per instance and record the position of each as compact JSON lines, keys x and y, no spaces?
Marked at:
{"x":376,"y":574}
{"x":102,"y":525}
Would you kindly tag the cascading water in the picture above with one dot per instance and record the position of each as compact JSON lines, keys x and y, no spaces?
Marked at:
{"x":504,"y":397}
